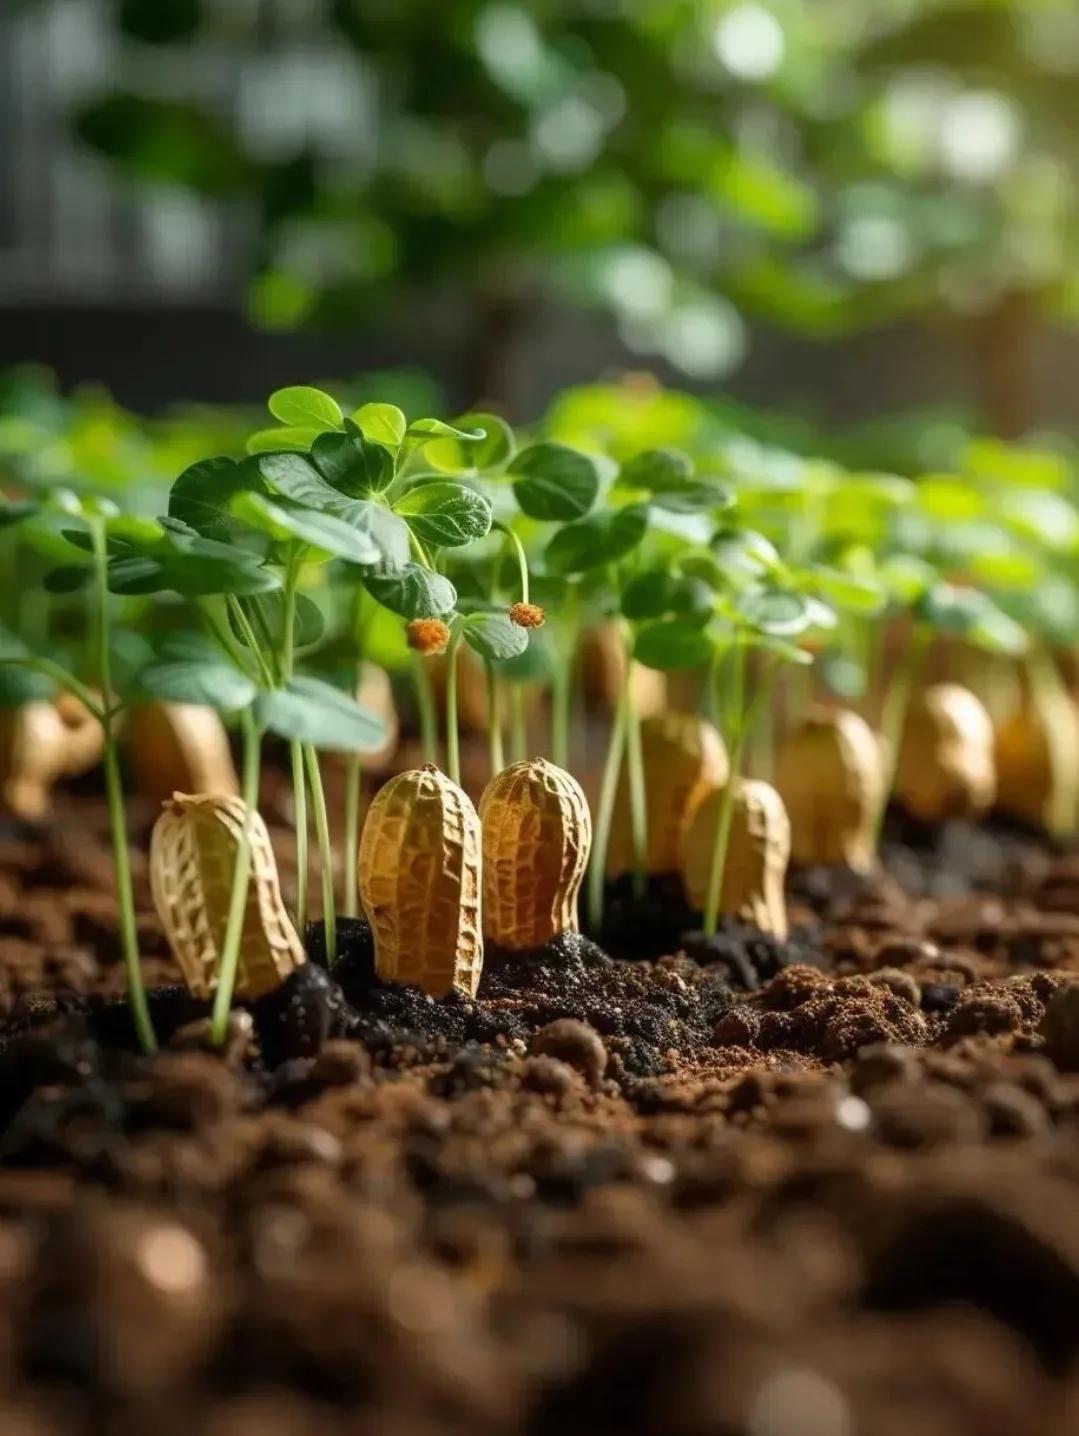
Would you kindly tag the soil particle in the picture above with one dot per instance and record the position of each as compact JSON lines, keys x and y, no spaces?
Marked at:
{"x":574,"y":1043}
{"x":1060,"y":1027}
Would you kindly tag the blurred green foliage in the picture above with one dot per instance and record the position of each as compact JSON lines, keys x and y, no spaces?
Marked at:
{"x":683,"y":163}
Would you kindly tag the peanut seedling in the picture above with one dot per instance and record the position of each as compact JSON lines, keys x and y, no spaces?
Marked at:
{"x":537,"y":832}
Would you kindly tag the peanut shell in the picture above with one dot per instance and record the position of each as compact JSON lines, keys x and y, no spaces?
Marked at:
{"x":192,"y":855}
{"x":829,"y":775}
{"x":757,"y":856}
{"x":1037,"y":758}
{"x":85,"y":737}
{"x":946,"y":767}
{"x":684,"y":759}
{"x":419,"y":876}
{"x":33,"y":756}
{"x":537,"y":832}
{"x":179,"y":748}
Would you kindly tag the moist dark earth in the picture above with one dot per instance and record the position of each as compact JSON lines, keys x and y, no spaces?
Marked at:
{"x":702,"y":1188}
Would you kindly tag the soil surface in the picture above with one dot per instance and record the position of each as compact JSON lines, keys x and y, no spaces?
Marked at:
{"x":720,"y":1187}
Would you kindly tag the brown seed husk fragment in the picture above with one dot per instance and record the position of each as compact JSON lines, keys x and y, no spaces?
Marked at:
{"x":684,"y":759}
{"x":419,"y":876}
{"x":537,"y":832}
{"x":179,"y":748}
{"x":192,"y":855}
{"x":828,"y":773}
{"x":757,"y":856}
{"x":946,"y":767}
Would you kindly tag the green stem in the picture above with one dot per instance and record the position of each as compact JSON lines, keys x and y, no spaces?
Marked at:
{"x":425,"y":704}
{"x":243,"y":624}
{"x":325,"y":848}
{"x":604,"y":813}
{"x":735,"y":735}
{"x":125,"y":897}
{"x":519,"y":553}
{"x":562,"y":684}
{"x":299,"y":819}
{"x":353,"y":775}
{"x":241,"y":880}
{"x":518,"y":724}
{"x":453,"y":737}
{"x":893,"y":718}
{"x":638,"y":805}
{"x":494,"y":720}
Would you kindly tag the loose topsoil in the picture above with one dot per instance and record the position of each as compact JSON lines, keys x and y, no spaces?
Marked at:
{"x":700,"y":1188}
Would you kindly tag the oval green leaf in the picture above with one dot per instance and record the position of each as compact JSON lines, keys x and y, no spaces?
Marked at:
{"x":445,"y":514}
{"x":554,"y":483}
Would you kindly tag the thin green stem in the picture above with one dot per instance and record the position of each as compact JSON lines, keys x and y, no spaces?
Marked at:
{"x":736,"y":731}
{"x":241,"y":881}
{"x":425,"y":705}
{"x":299,"y":819}
{"x":893,"y":719}
{"x":518,"y":724}
{"x":453,"y":737}
{"x":125,"y":897}
{"x":638,"y":805}
{"x":353,"y":776}
{"x":604,"y":813}
{"x":494,"y":720}
{"x":519,"y":554}
{"x":243,"y":624}
{"x":562,"y":682}
{"x":325,"y":848}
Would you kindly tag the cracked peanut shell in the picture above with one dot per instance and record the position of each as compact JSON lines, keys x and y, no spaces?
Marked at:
{"x":179,"y":748}
{"x":946,"y":767}
{"x":757,"y":856}
{"x":537,"y":832}
{"x":419,"y":876}
{"x":192,"y":855}
{"x":684,"y":758}
{"x":828,"y":773}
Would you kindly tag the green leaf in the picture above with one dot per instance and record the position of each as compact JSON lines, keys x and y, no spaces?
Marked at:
{"x":304,"y":407}
{"x":351,"y":463}
{"x":659,"y":592}
{"x":192,"y":669}
{"x":382,"y":424}
{"x":968,"y":613}
{"x":13,"y":511}
{"x":413,"y":592}
{"x":474,"y":456}
{"x":554,"y":483}
{"x":420,"y":430}
{"x":308,"y":624}
{"x":657,"y":470}
{"x":847,"y":590}
{"x":23,"y":685}
{"x":202,"y":496}
{"x":313,"y":711}
{"x":297,"y":478}
{"x":599,"y":539}
{"x":272,"y":441}
{"x":782,"y":615}
{"x":446,"y":514}
{"x":673,"y":643}
{"x":698,"y":498}
{"x":184,"y":562}
{"x":744,"y":554}
{"x":68,"y":579}
{"x":494,"y":636}
{"x":288,"y":522}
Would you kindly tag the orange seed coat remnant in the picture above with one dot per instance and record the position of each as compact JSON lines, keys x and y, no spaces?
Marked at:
{"x":757,"y":856}
{"x":537,"y":832}
{"x":528,"y":615}
{"x":427,"y":635}
{"x":419,"y":877}
{"x":683,"y":758}
{"x":192,"y":855}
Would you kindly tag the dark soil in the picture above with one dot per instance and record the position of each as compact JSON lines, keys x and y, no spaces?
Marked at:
{"x":722,"y":1187}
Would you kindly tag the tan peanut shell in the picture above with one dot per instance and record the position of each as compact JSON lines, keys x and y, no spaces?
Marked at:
{"x":192,"y":855}
{"x":757,"y":856}
{"x":602,"y":659}
{"x":419,"y":876}
{"x":1037,"y":758}
{"x":946,"y":767}
{"x":179,"y":748}
{"x":537,"y":832}
{"x":684,"y":759}
{"x":33,"y":756}
{"x":829,"y":775}
{"x":85,"y":737}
